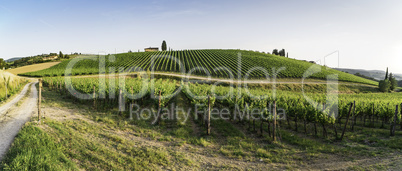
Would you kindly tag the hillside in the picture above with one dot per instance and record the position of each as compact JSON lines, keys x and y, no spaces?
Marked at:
{"x":13,"y":59}
{"x":377,"y":74}
{"x":34,"y":67}
{"x":226,"y":60}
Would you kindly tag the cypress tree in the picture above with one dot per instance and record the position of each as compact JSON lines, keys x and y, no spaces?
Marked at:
{"x":61,"y":55}
{"x":164,"y":46}
{"x":386,"y":74}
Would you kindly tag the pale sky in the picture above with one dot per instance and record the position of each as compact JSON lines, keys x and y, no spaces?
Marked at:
{"x":368,"y":34}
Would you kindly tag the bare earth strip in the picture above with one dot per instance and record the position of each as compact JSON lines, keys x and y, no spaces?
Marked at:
{"x":32,"y":68}
{"x":12,"y":121}
{"x":234,"y":81}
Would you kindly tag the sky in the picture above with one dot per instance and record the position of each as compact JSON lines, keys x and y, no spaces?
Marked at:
{"x":364,"y":34}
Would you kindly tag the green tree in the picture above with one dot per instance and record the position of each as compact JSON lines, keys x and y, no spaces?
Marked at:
{"x":384,"y":85}
{"x":275,"y":52}
{"x":164,"y":46}
{"x":393,"y":82}
{"x":282,"y":52}
{"x":386,"y":74}
{"x":2,"y":64}
{"x":61,"y":55}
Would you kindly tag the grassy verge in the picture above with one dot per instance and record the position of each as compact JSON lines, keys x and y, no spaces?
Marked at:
{"x":34,"y":149}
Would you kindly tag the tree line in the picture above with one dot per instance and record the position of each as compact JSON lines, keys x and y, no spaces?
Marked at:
{"x":389,"y":83}
{"x":34,"y":60}
{"x":281,"y":52}
{"x":3,"y":64}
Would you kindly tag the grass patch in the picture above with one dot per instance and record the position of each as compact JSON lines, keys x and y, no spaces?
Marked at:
{"x":34,"y":149}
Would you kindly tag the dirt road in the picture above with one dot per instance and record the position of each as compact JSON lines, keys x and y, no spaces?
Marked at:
{"x":13,"y":117}
{"x":234,"y":81}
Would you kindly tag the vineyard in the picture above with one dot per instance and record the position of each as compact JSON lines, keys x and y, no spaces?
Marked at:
{"x":110,"y":93}
{"x":372,"y":109}
{"x":217,"y":63}
{"x":255,"y":127}
{"x":363,"y":110}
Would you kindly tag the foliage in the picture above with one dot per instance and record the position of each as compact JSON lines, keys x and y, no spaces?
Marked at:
{"x":10,"y":85}
{"x":61,"y":56}
{"x":384,"y":85}
{"x":386,"y":74}
{"x":295,"y":103}
{"x":32,"y":60}
{"x":393,"y":82}
{"x":133,"y":90}
{"x":366,"y":77}
{"x":164,"y":46}
{"x":282,"y":52}
{"x":3,"y":64}
{"x":275,"y":52}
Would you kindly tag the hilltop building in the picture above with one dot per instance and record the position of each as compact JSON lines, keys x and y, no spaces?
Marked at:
{"x":50,"y":58}
{"x":151,"y":49}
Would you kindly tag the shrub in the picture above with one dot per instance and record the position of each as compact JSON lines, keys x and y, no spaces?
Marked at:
{"x":384,"y":85}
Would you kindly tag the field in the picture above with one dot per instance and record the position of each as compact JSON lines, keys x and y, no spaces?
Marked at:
{"x":32,"y":68}
{"x":10,"y":85}
{"x":112,"y":122}
{"x":218,"y":63}
{"x":93,"y":134}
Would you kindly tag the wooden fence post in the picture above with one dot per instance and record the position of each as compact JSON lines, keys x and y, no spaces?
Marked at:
{"x":372,"y":121}
{"x":261,"y":124}
{"x":39,"y":99}
{"x":159,"y":107}
{"x":209,"y":117}
{"x":268,"y":120}
{"x":94,"y":96}
{"x":400,"y":121}
{"x":347,"y":119}
{"x":354,"y":116}
{"x":274,"y":128}
{"x":394,"y":123}
{"x":121,"y":102}
{"x":253,"y":124}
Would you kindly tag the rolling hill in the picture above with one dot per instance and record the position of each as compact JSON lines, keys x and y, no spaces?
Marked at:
{"x":32,"y":68}
{"x":377,"y":74}
{"x":13,"y":59}
{"x":219,"y":63}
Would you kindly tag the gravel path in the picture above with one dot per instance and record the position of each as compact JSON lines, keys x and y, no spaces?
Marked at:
{"x":15,"y":118}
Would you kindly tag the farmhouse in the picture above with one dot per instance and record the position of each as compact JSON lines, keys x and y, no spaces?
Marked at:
{"x":151,"y":49}
{"x":50,"y":58}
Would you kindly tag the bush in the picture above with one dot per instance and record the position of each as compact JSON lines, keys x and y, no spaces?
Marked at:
{"x":393,"y":84}
{"x":384,"y":85}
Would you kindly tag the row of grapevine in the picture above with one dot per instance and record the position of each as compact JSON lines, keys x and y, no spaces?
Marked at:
{"x":218,"y":63}
{"x":295,"y":106}
{"x":107,"y":94}
{"x":298,"y":109}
